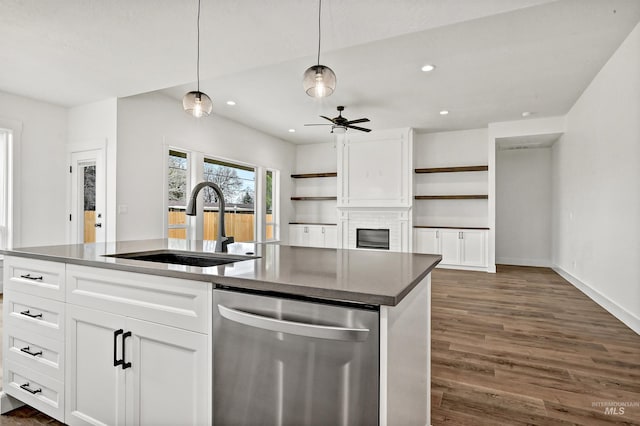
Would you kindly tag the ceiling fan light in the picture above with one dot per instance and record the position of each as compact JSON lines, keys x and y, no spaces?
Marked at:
{"x":338,"y":130}
{"x":319,"y":81}
{"x":197,"y":104}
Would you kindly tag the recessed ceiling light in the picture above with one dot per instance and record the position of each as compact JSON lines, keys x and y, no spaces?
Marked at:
{"x":231,"y":103}
{"x":292,"y":130}
{"x":444,"y":112}
{"x":527,"y":113}
{"x":428,"y":68}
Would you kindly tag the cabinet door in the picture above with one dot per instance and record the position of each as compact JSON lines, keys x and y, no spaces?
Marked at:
{"x":169,"y":380}
{"x":94,"y":387}
{"x":473,"y":248}
{"x":426,"y":241}
{"x":330,"y":236}
{"x":298,"y":235}
{"x":315,"y":236}
{"x":450,"y":246}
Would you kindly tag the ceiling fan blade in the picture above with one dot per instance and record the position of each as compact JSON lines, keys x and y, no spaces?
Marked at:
{"x":327,"y":118}
{"x":318,"y":124}
{"x":359,"y":120}
{"x":362,"y":129}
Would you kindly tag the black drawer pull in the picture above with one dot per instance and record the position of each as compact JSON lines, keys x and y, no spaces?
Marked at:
{"x":29,"y":277}
{"x":125,"y":364}
{"x":28,"y":351}
{"x":116,"y":361}
{"x":30,"y":315}
{"x":31,"y":391}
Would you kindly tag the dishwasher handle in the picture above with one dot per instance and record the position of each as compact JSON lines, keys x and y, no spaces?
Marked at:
{"x":293,"y":327}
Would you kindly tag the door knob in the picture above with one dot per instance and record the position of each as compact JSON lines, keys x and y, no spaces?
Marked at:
{"x":98,"y":225}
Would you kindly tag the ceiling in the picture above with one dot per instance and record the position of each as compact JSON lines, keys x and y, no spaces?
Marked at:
{"x":494,"y":58}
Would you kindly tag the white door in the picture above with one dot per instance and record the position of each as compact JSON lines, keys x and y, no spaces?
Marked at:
{"x":88,"y":196}
{"x":94,"y":387}
{"x":170,"y":376}
{"x":330,"y":236}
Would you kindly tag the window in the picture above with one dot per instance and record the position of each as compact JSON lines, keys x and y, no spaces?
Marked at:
{"x":178,"y":185}
{"x":238,"y":184}
{"x":251,"y":207}
{"x":270,"y":210}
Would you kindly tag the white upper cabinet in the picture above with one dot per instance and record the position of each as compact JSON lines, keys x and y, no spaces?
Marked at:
{"x":374,"y":169}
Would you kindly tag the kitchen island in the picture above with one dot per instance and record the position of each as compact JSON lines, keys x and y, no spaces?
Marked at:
{"x":90,"y":338}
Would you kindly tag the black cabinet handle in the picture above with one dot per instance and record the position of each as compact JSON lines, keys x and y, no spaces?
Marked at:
{"x":28,"y":351}
{"x":125,"y":364}
{"x":116,"y":361}
{"x":29,"y":277}
{"x":28,"y":389}
{"x":30,"y":315}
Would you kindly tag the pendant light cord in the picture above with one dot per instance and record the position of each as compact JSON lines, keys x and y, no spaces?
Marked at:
{"x":319,"y":33}
{"x":198,"y":55}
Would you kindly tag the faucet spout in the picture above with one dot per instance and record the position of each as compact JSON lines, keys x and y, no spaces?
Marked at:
{"x":222,"y":241}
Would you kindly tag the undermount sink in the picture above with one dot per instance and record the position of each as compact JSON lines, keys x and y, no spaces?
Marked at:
{"x":187,"y":258}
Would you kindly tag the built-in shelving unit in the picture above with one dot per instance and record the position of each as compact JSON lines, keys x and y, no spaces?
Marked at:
{"x":453,"y":169}
{"x":314,"y":175}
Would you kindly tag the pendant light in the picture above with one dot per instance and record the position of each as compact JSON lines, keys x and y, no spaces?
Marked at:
{"x":197,"y":103}
{"x":319,"y":80}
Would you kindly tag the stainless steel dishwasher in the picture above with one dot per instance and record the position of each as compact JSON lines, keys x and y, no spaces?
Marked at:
{"x":289,"y":362}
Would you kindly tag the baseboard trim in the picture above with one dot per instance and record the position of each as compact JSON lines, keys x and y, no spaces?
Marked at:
{"x":8,"y":403}
{"x":540,"y":263}
{"x":463,"y":268}
{"x":629,"y":319}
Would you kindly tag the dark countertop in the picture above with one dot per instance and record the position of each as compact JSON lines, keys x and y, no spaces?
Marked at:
{"x":360,"y":276}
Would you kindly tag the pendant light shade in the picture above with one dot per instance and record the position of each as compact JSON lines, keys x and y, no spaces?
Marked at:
{"x":319,"y":80}
{"x":197,"y":104}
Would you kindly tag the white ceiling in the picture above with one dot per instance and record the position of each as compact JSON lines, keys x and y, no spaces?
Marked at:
{"x":495,"y":58}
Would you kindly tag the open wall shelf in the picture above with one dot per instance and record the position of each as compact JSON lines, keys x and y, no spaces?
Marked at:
{"x":453,"y":169}
{"x":452,"y":197}
{"x":314,"y":175}
{"x":451,"y":227}
{"x":313,"y":198}
{"x":313,"y":223}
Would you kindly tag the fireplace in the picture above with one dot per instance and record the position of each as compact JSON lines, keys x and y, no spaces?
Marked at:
{"x":372,"y":238}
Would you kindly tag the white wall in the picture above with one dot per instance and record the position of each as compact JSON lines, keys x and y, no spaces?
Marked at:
{"x":523,"y":207}
{"x":597,"y":187}
{"x":97,"y":123}
{"x":39,"y":204}
{"x":147,"y":123}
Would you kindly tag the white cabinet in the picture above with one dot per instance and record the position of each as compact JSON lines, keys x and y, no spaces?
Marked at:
{"x":127,"y":371}
{"x":458,"y":247}
{"x":33,"y":334}
{"x":137,"y":349}
{"x":313,"y":235}
{"x":374,"y":169}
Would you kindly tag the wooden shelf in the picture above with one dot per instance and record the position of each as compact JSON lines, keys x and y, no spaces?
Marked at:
{"x":313,"y":223}
{"x":314,"y":175}
{"x":313,"y":198}
{"x":451,"y":227}
{"x":452,"y":197}
{"x":453,"y":169}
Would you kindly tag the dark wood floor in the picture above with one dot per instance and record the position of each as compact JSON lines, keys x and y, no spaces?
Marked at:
{"x":521,"y":346}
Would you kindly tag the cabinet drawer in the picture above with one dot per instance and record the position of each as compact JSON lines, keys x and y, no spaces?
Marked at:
{"x":35,"y":314}
{"x":35,"y":389}
{"x":32,"y":276}
{"x":163,"y":300}
{"x":37,"y":352}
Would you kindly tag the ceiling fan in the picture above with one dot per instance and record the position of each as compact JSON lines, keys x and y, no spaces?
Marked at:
{"x":341,"y":124}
